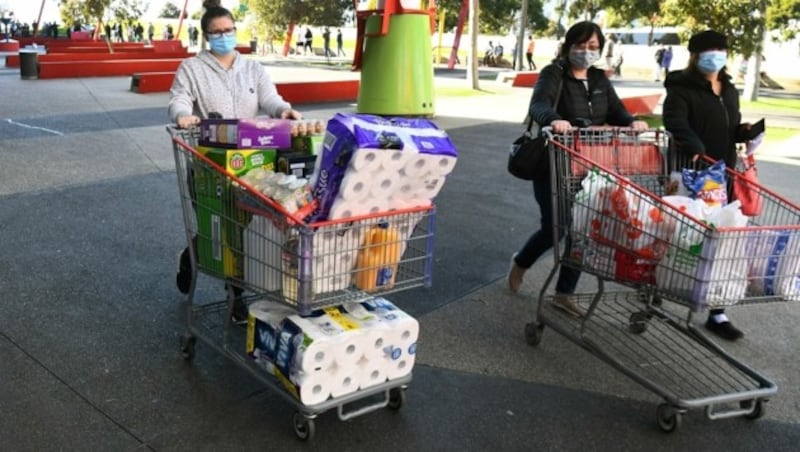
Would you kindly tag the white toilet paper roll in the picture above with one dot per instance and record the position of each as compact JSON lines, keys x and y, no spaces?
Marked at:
{"x":392,"y":160}
{"x":349,"y":348}
{"x":313,"y":356}
{"x":416,"y":166}
{"x":406,"y":190}
{"x":356,"y":185}
{"x":372,"y":373}
{"x":372,"y":205}
{"x":399,"y":367}
{"x":376,"y":338}
{"x":429,"y":186}
{"x":312,"y":388}
{"x":344,"y":380}
{"x":365,"y":159}
{"x":346,"y":209}
{"x":384,"y":185}
{"x":440,"y":165}
{"x":262,"y":262}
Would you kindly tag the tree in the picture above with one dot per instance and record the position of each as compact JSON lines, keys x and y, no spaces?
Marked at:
{"x":83,"y":11}
{"x":126,"y":11}
{"x":279,"y":13}
{"x":496,"y":17}
{"x":629,"y":11}
{"x":170,"y":11}
{"x":783,"y":16}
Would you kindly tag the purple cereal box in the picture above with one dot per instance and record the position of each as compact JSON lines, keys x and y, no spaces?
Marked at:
{"x":250,"y":133}
{"x":347,"y":132}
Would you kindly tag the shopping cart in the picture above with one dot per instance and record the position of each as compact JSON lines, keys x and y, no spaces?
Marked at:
{"x":262,"y":251}
{"x":608,"y":188}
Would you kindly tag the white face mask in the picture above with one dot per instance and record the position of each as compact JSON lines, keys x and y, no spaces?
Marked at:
{"x":583,"y":59}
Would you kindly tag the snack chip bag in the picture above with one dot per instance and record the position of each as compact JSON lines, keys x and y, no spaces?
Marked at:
{"x":707,"y":184}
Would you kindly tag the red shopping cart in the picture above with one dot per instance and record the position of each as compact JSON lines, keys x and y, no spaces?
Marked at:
{"x":610,"y":188}
{"x":262,"y":251}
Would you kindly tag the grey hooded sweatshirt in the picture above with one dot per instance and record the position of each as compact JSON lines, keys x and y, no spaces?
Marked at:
{"x":202,"y":86}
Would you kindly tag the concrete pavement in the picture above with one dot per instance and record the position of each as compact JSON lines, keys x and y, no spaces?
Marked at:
{"x":90,"y":223}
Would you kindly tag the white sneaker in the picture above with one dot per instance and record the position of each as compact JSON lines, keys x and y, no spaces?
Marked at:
{"x":567,"y":303}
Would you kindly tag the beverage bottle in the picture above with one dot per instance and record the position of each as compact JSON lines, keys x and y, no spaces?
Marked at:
{"x":376,"y":264}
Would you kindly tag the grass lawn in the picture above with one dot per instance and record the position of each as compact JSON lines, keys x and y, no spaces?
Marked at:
{"x":773,"y":105}
{"x":773,"y":134}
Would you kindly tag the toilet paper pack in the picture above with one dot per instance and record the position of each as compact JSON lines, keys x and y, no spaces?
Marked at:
{"x":774,"y":268}
{"x":375,"y":138}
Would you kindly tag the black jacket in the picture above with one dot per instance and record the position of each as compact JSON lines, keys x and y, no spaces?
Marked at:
{"x":700,"y":121}
{"x":601,"y":107}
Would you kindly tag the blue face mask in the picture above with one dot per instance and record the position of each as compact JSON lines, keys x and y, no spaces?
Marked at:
{"x":222,"y":45}
{"x":712,"y":61}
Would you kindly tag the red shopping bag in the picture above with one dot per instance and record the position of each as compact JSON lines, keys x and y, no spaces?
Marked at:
{"x":745,"y":187}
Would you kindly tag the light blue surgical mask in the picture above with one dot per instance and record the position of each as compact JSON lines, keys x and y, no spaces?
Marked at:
{"x":222,"y":45}
{"x":712,"y":61}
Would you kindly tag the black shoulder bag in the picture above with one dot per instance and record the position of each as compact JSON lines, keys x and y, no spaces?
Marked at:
{"x":527,"y":158}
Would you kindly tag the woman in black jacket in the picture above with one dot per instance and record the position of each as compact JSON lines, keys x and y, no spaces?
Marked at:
{"x":701,"y":111}
{"x":587,"y":98}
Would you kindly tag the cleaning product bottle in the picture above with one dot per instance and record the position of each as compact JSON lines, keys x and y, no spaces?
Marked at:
{"x":376,"y":265}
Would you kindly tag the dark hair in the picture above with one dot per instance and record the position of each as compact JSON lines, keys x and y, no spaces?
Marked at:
{"x":212,"y":13}
{"x":580,"y":33}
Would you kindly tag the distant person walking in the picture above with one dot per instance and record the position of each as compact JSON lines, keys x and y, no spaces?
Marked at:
{"x":529,"y":53}
{"x":659,"y":56}
{"x":610,"y":48}
{"x":339,"y":43}
{"x":309,"y":40}
{"x":326,"y":40}
{"x":666,"y":61}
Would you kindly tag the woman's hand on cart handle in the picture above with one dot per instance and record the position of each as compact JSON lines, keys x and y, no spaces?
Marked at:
{"x":639,"y":125}
{"x":184,"y":122}
{"x":291,"y":114}
{"x":560,"y":126}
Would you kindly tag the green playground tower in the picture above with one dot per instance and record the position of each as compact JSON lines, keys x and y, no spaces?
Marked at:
{"x":395,"y":60}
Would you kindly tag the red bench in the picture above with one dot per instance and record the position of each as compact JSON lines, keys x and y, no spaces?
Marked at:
{"x":525,"y":79}
{"x":641,"y":105}
{"x":13,"y":60}
{"x":68,"y":69}
{"x":294,"y":92}
{"x":152,"y":82}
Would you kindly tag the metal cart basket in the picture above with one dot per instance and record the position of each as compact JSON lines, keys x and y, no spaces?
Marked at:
{"x":609,"y":188}
{"x":261,"y":251}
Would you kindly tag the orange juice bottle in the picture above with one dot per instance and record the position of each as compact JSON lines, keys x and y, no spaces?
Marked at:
{"x":376,"y":265}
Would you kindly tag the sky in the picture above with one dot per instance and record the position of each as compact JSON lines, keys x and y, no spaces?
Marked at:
{"x":28,"y":10}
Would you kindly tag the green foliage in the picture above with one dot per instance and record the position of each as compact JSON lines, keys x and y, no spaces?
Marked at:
{"x":126,"y":11}
{"x":83,"y":11}
{"x":497,"y":16}
{"x":170,"y":11}
{"x":734,"y":18}
{"x":277,"y":14}
{"x":784,"y":15}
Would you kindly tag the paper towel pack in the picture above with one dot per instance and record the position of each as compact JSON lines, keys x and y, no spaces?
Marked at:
{"x":774,"y":264}
{"x":367,"y":139}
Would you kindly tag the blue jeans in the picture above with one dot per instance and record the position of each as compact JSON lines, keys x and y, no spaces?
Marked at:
{"x":542,"y":240}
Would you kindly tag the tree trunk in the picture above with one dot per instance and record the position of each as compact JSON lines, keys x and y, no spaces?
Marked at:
{"x":523,"y":22}
{"x":472,"y":69}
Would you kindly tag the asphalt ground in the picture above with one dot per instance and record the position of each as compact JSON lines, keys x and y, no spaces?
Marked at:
{"x":90,"y":223}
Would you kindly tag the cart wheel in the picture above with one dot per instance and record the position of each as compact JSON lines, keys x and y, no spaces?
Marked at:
{"x":638,"y":322}
{"x":187,"y":346}
{"x":397,"y":398}
{"x":758,"y":410}
{"x":533,"y":333}
{"x":668,"y":418}
{"x":303,"y":427}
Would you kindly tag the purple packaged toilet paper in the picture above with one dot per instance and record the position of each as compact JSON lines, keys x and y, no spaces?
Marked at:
{"x":347,"y":132}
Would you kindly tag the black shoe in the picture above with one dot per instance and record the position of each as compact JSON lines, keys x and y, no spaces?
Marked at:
{"x":240,"y":310}
{"x":183,"y":279}
{"x":725,"y":330}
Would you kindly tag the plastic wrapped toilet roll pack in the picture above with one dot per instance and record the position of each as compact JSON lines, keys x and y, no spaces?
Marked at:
{"x":334,"y":351}
{"x":369,"y":162}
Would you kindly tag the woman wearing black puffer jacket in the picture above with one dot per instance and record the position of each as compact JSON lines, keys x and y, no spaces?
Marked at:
{"x":587,"y":98}
{"x":701,"y":111}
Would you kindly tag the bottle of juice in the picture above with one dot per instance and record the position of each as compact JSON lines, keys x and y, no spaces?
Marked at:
{"x":376,"y":264}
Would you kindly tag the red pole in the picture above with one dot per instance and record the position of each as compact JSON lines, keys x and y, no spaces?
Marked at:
{"x":38,"y":20}
{"x":180,"y":21}
{"x":462,"y":18}
{"x":288,"y":43}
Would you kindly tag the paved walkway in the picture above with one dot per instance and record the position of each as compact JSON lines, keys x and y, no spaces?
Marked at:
{"x":90,"y":222}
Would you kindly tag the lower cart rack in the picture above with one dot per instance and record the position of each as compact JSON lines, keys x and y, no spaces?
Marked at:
{"x":211,"y":323}
{"x":665,"y":355}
